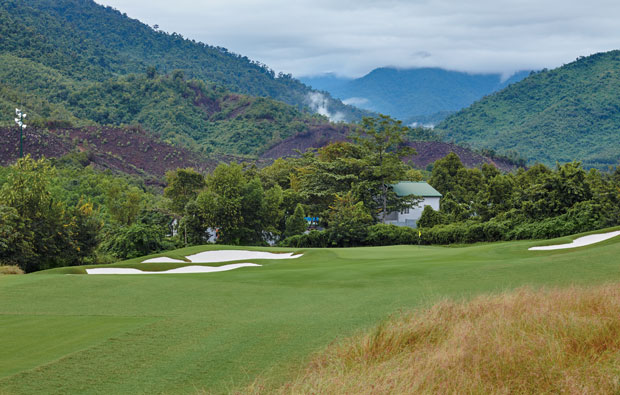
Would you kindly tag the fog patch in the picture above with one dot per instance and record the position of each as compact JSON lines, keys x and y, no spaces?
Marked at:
{"x":356,"y":101}
{"x":319,"y":103}
{"x":422,"y":125}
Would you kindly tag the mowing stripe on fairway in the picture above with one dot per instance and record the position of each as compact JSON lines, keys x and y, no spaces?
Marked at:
{"x":32,"y":340}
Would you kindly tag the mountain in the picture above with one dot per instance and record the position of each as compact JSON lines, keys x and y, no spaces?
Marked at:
{"x":569,"y":113}
{"x":422,"y":95}
{"x":76,"y":64}
{"x":84,"y":41}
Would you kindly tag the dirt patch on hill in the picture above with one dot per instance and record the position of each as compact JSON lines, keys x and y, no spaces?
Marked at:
{"x":427,"y":151}
{"x":315,"y":136}
{"x":128,"y":150}
{"x":430,"y":151}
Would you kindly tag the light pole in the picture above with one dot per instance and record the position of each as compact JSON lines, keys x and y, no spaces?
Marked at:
{"x":20,"y":122}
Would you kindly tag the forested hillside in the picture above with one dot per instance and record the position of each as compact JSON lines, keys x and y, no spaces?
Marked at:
{"x":569,"y":113}
{"x":423,"y":95}
{"x":83,"y":41}
{"x":191,"y":113}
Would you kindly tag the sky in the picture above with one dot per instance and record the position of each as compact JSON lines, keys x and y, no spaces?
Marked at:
{"x":352,"y":37}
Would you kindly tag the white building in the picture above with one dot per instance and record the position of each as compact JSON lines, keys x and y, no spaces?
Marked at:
{"x":410,"y":216}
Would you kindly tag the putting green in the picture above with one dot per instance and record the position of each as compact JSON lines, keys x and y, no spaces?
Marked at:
{"x":219,"y":331}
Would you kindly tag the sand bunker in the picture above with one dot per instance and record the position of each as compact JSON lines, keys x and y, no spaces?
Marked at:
{"x":203,"y":257}
{"x":185,"y":269}
{"x":227,"y":255}
{"x":579,"y":242}
{"x":163,"y":259}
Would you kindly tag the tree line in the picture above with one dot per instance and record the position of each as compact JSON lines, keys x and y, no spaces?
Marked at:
{"x":63,"y":212}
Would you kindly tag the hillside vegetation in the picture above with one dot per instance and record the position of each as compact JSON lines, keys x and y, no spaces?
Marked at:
{"x":569,"y":113}
{"x":89,"y":42}
{"x":78,"y":64}
{"x":546,"y":341}
{"x":190,"y":113}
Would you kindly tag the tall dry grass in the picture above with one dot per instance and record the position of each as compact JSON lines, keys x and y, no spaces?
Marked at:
{"x":528,"y":341}
{"x":10,"y":269}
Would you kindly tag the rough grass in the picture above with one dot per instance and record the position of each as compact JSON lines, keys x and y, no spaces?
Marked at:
{"x":10,"y":269}
{"x":553,"y":341}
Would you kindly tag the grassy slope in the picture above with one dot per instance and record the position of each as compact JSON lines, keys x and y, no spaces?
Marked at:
{"x":219,"y":331}
{"x":525,"y":342}
{"x":569,"y":113}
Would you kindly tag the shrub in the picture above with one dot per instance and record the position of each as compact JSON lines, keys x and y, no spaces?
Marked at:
{"x":429,"y":218}
{"x":10,"y":269}
{"x":445,"y":234}
{"x":134,"y":240}
{"x":313,"y":239}
{"x":388,"y":234}
{"x":495,"y":230}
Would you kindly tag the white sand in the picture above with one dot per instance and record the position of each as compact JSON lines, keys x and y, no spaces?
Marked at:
{"x":163,"y":259}
{"x":184,"y":269}
{"x":579,"y":242}
{"x":237,"y":255}
{"x":203,"y":257}
{"x":225,"y":256}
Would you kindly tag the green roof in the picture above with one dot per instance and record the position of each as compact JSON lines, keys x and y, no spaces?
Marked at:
{"x":418,"y":188}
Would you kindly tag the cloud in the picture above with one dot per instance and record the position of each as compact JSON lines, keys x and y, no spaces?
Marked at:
{"x":356,"y":101}
{"x":319,"y":103}
{"x":351,"y":37}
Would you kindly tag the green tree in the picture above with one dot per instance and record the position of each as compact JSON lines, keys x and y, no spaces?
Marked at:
{"x":429,"y":218}
{"x":183,"y":186}
{"x":220,"y":203}
{"x":384,"y":140}
{"x":123,"y":202}
{"x":54,"y":231}
{"x":348,"y":222}
{"x":296,"y":224}
{"x":444,"y":177}
{"x":85,"y":230}
{"x":193,"y":224}
{"x":134,"y":240}
{"x":16,"y":246}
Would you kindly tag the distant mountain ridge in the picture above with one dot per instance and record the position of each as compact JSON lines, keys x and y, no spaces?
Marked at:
{"x":569,"y":113}
{"x":413,"y":95}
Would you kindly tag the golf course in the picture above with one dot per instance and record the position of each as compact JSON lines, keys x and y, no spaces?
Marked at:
{"x":65,"y":331}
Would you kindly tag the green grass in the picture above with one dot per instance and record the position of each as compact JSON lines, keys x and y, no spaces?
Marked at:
{"x":217,"y":332}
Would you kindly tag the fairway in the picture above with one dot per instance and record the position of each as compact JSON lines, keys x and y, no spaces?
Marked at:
{"x":179,"y":333}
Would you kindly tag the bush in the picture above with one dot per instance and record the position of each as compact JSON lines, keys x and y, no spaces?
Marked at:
{"x":388,"y":234}
{"x":446,"y":234}
{"x":429,"y":218}
{"x":10,"y":269}
{"x":134,"y":240}
{"x":313,"y":239}
{"x":496,"y":230}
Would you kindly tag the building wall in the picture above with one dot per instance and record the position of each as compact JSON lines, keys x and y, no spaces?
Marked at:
{"x":411,"y":218}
